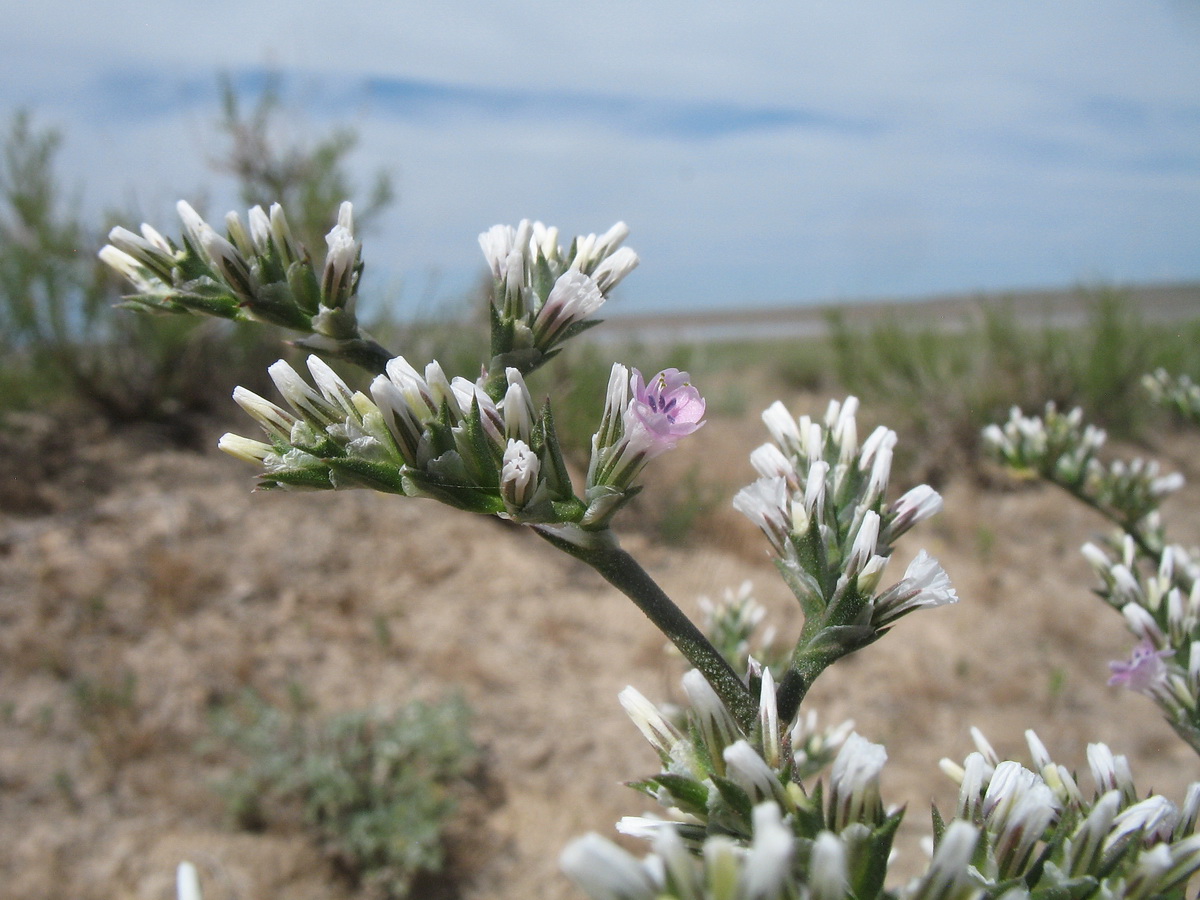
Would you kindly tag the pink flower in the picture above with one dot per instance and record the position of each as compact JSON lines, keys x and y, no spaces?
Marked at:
{"x":662,"y":411}
{"x":1144,"y":671}
{"x":641,"y":420}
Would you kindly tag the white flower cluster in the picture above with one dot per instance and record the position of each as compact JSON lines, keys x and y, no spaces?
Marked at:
{"x":1179,"y":393}
{"x":820,"y":502}
{"x":1063,"y":449}
{"x":545,"y":294}
{"x":417,"y":434}
{"x":257,"y":272}
{"x":1016,"y":832}
{"x":1040,"y":825}
{"x":1153,"y":584}
{"x":715,"y":771}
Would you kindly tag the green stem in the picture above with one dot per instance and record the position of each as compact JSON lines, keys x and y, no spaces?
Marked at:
{"x":813,"y":656}
{"x":623,"y":572}
{"x":805,"y":666}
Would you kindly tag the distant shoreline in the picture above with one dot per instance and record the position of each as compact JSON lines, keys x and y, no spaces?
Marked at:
{"x":1063,"y":307}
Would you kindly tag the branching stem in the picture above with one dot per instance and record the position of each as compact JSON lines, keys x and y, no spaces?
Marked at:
{"x":624,"y":573}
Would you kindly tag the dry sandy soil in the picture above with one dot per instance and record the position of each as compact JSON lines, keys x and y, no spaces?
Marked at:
{"x":126,"y":561}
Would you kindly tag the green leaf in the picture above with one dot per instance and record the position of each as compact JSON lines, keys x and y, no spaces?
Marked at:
{"x":314,"y":479}
{"x":204,"y":296}
{"x":735,"y":798}
{"x":365,"y":473}
{"x":689,"y":795}
{"x":805,"y":589}
{"x":847,"y":608}
{"x":461,"y":496}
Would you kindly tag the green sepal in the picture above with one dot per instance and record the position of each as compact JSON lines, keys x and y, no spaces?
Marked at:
{"x":868,"y":873}
{"x":276,"y":305}
{"x":689,"y":795}
{"x":736,"y":799}
{"x":503,"y":331}
{"x":359,"y":472}
{"x":306,"y":289}
{"x":554,"y":468}
{"x":939,"y":825}
{"x":485,"y":458}
{"x":576,"y":328}
{"x":543,"y":279}
{"x":809,"y":816}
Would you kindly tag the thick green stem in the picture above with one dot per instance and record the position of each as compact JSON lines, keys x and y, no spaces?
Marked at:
{"x":623,"y":572}
{"x":812,"y":657}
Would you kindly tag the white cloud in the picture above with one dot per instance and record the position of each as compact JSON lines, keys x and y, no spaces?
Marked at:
{"x":1000,"y":145}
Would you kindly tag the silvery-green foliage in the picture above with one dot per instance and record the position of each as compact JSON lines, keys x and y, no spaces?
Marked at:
{"x":376,"y":790}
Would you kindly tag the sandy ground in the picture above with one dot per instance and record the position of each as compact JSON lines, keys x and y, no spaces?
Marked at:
{"x":126,"y":562}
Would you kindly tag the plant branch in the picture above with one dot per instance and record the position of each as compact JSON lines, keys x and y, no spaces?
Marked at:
{"x":624,"y":573}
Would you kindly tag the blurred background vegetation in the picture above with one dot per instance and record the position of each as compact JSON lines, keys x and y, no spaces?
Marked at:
{"x":66,"y":348}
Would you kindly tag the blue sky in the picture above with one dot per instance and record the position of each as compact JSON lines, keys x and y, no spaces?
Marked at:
{"x":763,"y":154}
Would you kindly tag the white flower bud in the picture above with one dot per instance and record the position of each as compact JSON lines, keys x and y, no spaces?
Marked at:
{"x":518,"y":475}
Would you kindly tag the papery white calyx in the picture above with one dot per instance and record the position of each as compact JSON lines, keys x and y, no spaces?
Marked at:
{"x":925,"y":585}
{"x":518,"y":475}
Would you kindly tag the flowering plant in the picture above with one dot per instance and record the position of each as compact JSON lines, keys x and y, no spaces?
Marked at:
{"x":759,"y":801}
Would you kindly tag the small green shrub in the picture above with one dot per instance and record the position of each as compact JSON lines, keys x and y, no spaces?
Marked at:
{"x":378,"y":791}
{"x":942,"y":385}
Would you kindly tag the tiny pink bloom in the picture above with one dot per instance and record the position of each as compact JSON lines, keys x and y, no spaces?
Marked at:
{"x":661,"y":411}
{"x":1144,"y":671}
